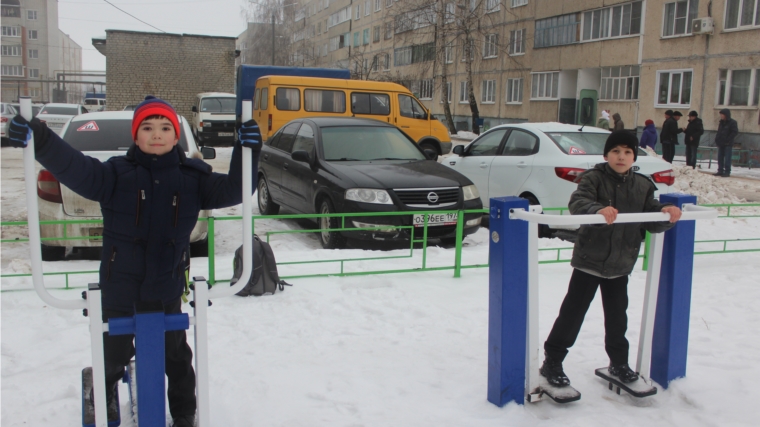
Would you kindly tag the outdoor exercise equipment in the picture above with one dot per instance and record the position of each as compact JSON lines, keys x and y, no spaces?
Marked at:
{"x":149,"y":324}
{"x":513,"y":342}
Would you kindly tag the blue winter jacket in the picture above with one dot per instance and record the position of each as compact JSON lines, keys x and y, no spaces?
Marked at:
{"x":648,"y":137}
{"x":150,"y":204}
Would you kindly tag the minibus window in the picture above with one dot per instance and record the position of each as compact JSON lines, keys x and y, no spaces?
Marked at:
{"x":288,"y":99}
{"x":256,"y":100}
{"x":324,"y":101}
{"x":370,"y":103}
{"x":409,"y":107}
{"x":264,"y":98}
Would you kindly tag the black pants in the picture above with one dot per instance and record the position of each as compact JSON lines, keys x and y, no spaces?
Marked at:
{"x":119,"y":350}
{"x":668,"y":151}
{"x":691,"y":155}
{"x":580,"y":293}
{"x":724,"y":159}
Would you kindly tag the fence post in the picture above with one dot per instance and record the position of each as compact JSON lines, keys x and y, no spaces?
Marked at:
{"x":507,"y":302}
{"x":671,"y":324}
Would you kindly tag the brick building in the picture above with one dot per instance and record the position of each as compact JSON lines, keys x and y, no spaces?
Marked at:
{"x":174,"y":67}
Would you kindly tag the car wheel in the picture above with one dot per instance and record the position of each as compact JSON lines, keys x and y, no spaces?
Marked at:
{"x":199,"y":248}
{"x":543,"y":229}
{"x":429,"y":146}
{"x":330,"y":239}
{"x":266,"y":205}
{"x":53,"y":253}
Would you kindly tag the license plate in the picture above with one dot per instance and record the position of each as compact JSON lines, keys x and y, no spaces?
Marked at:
{"x":95,"y":232}
{"x":226,"y":133}
{"x":435,"y":219}
{"x":54,"y":125}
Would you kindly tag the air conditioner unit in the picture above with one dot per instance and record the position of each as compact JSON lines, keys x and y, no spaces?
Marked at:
{"x":702,"y":26}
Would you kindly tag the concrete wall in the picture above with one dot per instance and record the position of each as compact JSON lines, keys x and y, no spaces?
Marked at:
{"x":173,"y":67}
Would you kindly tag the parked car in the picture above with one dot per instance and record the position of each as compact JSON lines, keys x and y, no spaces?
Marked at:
{"x":7,"y":113}
{"x":100,"y":135}
{"x":540,"y":162}
{"x":57,"y":115}
{"x":130,"y":107}
{"x":333,"y":164}
{"x":35,"y":108}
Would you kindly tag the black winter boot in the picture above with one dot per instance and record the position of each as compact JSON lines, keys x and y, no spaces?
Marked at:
{"x":624,"y":372}
{"x":552,"y":371}
{"x":184,"y":421}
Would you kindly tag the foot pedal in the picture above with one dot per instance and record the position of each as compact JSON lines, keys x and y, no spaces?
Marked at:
{"x":638,"y":388}
{"x":564,"y":394}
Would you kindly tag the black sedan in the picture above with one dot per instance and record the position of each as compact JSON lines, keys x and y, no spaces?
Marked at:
{"x":329,"y":165}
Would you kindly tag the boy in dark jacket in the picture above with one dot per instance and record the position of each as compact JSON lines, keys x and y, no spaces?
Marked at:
{"x":724,"y":139}
{"x":150,"y":199}
{"x":669,"y":135}
{"x":692,"y":134}
{"x":649,"y":135}
{"x":604,"y":255}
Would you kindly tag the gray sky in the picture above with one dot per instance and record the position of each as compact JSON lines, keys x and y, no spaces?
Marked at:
{"x":84,"y":19}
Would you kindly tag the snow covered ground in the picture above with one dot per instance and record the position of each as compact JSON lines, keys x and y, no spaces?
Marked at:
{"x":390,"y":350}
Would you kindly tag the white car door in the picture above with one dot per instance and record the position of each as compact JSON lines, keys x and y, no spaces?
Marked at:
{"x":475,"y":162}
{"x":512,"y":167}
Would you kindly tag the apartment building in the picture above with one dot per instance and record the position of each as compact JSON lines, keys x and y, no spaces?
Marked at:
{"x":35,"y":50}
{"x":548,"y":60}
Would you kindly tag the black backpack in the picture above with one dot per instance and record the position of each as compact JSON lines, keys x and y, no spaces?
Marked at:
{"x":265,"y":278}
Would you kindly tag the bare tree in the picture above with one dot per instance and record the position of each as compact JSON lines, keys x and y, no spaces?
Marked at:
{"x":272,"y":32}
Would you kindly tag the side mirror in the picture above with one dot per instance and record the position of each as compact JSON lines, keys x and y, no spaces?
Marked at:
{"x":208,"y":153}
{"x":430,"y":154}
{"x":459,"y":150}
{"x":301,"y":156}
{"x":194,"y":109}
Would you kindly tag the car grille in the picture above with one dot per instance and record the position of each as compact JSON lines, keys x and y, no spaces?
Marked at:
{"x":428,"y":197}
{"x":219,"y":126}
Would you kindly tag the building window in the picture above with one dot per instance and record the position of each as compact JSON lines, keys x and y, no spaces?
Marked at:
{"x":544,"y":86}
{"x":490,"y":45}
{"x":34,"y":92}
{"x":620,"y":83}
{"x":516,"y":3}
{"x":31,"y":15}
{"x":742,"y":13}
{"x":426,"y":89}
{"x":358,"y":12}
{"x":514,"y":91}
{"x":613,"y":21}
{"x":493,"y":6}
{"x":378,"y":5}
{"x":487,"y":95}
{"x":11,"y":31}
{"x":13,"y":70}
{"x":739,"y":87}
{"x":34,"y":54}
{"x":402,"y":56}
{"x":449,"y":53}
{"x":31,"y":34}
{"x":11,"y":50}
{"x":517,"y":42}
{"x":34,"y":73}
{"x":339,"y":17}
{"x":367,"y":7}
{"x":556,"y":31}
{"x":385,"y":61}
{"x":11,"y":11}
{"x":388,"y":30}
{"x":463,"y":95}
{"x":365,"y":36}
{"x":468,"y":50}
{"x":678,"y":16}
{"x":414,"y":54}
{"x":451,"y":13}
{"x":388,"y":3}
{"x":674,"y":87}
{"x":339,"y":42}
{"x":447,"y":95}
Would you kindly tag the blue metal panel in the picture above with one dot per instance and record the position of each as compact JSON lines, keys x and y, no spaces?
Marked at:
{"x":150,"y":368}
{"x":507,"y":302}
{"x":671,"y":324}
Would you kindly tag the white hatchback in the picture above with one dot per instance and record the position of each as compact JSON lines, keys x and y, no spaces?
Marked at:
{"x":540,"y":161}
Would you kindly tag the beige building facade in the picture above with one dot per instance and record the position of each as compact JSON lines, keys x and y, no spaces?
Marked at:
{"x":548,"y":60}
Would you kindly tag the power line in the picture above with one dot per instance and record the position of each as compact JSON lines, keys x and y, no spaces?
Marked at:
{"x":134,"y":16}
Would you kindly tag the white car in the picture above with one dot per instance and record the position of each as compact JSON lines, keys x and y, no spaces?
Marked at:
{"x":57,"y":115}
{"x":7,"y":113}
{"x":540,"y":161}
{"x":101,"y":135}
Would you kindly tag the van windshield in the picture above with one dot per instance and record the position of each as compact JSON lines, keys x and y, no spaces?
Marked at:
{"x":218,"y":105}
{"x":93,"y":101}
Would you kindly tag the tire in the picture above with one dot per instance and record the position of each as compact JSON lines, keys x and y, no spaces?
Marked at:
{"x":199,"y":248}
{"x":329,"y":239}
{"x":266,"y":205}
{"x":53,"y":253}
{"x":543,"y":229}
{"x":429,"y":146}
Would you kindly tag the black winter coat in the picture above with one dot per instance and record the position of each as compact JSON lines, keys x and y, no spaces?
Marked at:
{"x":612,"y":250}
{"x":693,"y":132}
{"x":150,"y":204}
{"x":727,"y":129}
{"x":669,"y":132}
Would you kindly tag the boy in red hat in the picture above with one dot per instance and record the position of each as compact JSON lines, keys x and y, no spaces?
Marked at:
{"x":150,"y":199}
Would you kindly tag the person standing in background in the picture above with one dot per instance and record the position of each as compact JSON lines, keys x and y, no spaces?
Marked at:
{"x":648,"y":136}
{"x":618,"y":122}
{"x":724,"y":139}
{"x":604,"y":121}
{"x":692,"y":134}
{"x":669,"y":135}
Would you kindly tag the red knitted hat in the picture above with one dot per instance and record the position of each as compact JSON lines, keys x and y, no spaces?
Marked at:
{"x":648,"y":122}
{"x":153,"y":106}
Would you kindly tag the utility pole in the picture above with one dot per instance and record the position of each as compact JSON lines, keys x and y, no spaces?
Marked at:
{"x":272,"y":38}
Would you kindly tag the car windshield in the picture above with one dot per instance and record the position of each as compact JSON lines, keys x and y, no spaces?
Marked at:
{"x":366,"y":143}
{"x":582,"y":143}
{"x":218,"y":105}
{"x":66,"y":111}
{"x":91,"y":101}
{"x":104,"y":135}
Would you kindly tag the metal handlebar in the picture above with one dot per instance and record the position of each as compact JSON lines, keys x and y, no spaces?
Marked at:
{"x":690,"y":212}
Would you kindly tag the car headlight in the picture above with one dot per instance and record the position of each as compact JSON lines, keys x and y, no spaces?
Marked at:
{"x":369,"y":195}
{"x":470,"y":192}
